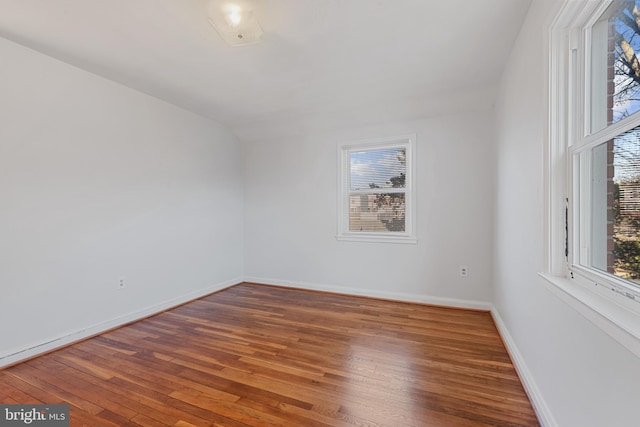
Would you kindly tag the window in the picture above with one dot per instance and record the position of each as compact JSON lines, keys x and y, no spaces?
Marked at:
{"x":594,"y":163}
{"x":376,"y":194}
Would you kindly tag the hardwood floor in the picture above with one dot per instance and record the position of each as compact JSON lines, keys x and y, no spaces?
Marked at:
{"x":256,"y":355}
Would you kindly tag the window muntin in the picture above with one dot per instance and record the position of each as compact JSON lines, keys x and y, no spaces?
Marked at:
{"x":376,"y":190}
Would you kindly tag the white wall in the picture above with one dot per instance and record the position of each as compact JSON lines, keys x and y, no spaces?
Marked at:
{"x":585,"y":378}
{"x":290,"y":214}
{"x":99,"y":182}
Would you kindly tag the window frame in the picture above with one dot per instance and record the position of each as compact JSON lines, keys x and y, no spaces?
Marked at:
{"x":609,"y":302}
{"x":408,"y":142}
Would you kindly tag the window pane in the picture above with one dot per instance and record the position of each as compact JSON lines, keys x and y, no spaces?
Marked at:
{"x":380,"y":212}
{"x":615,"y":68}
{"x":615,"y":201}
{"x":378,"y":168}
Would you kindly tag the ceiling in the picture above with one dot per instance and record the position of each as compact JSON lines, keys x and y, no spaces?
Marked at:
{"x":322,"y":63}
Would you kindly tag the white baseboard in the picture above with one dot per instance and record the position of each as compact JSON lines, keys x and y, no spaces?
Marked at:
{"x":18,"y":355}
{"x":535,"y":396}
{"x":395,"y":296}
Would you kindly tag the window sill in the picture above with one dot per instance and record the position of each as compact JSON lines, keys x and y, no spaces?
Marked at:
{"x":372,"y":238}
{"x":619,"y":322}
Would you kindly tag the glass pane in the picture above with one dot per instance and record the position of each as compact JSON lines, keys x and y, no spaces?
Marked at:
{"x":615,"y":68}
{"x":378,"y":168}
{"x":615,"y":202}
{"x":380,"y":212}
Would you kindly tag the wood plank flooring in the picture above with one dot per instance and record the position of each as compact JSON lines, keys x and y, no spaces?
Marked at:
{"x":256,"y":355}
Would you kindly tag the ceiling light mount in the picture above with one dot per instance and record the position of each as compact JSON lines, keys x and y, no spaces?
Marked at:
{"x":235,"y":21}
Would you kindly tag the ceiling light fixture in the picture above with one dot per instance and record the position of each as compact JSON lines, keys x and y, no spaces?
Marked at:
{"x":235,"y":21}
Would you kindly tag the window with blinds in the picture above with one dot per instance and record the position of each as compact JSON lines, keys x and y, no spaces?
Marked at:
{"x":610,"y":186}
{"x":606,"y":156}
{"x":376,"y":194}
{"x":593,"y":164}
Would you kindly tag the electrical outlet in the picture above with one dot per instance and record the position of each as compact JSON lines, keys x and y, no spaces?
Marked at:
{"x":464,"y":271}
{"x":121,"y":283}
